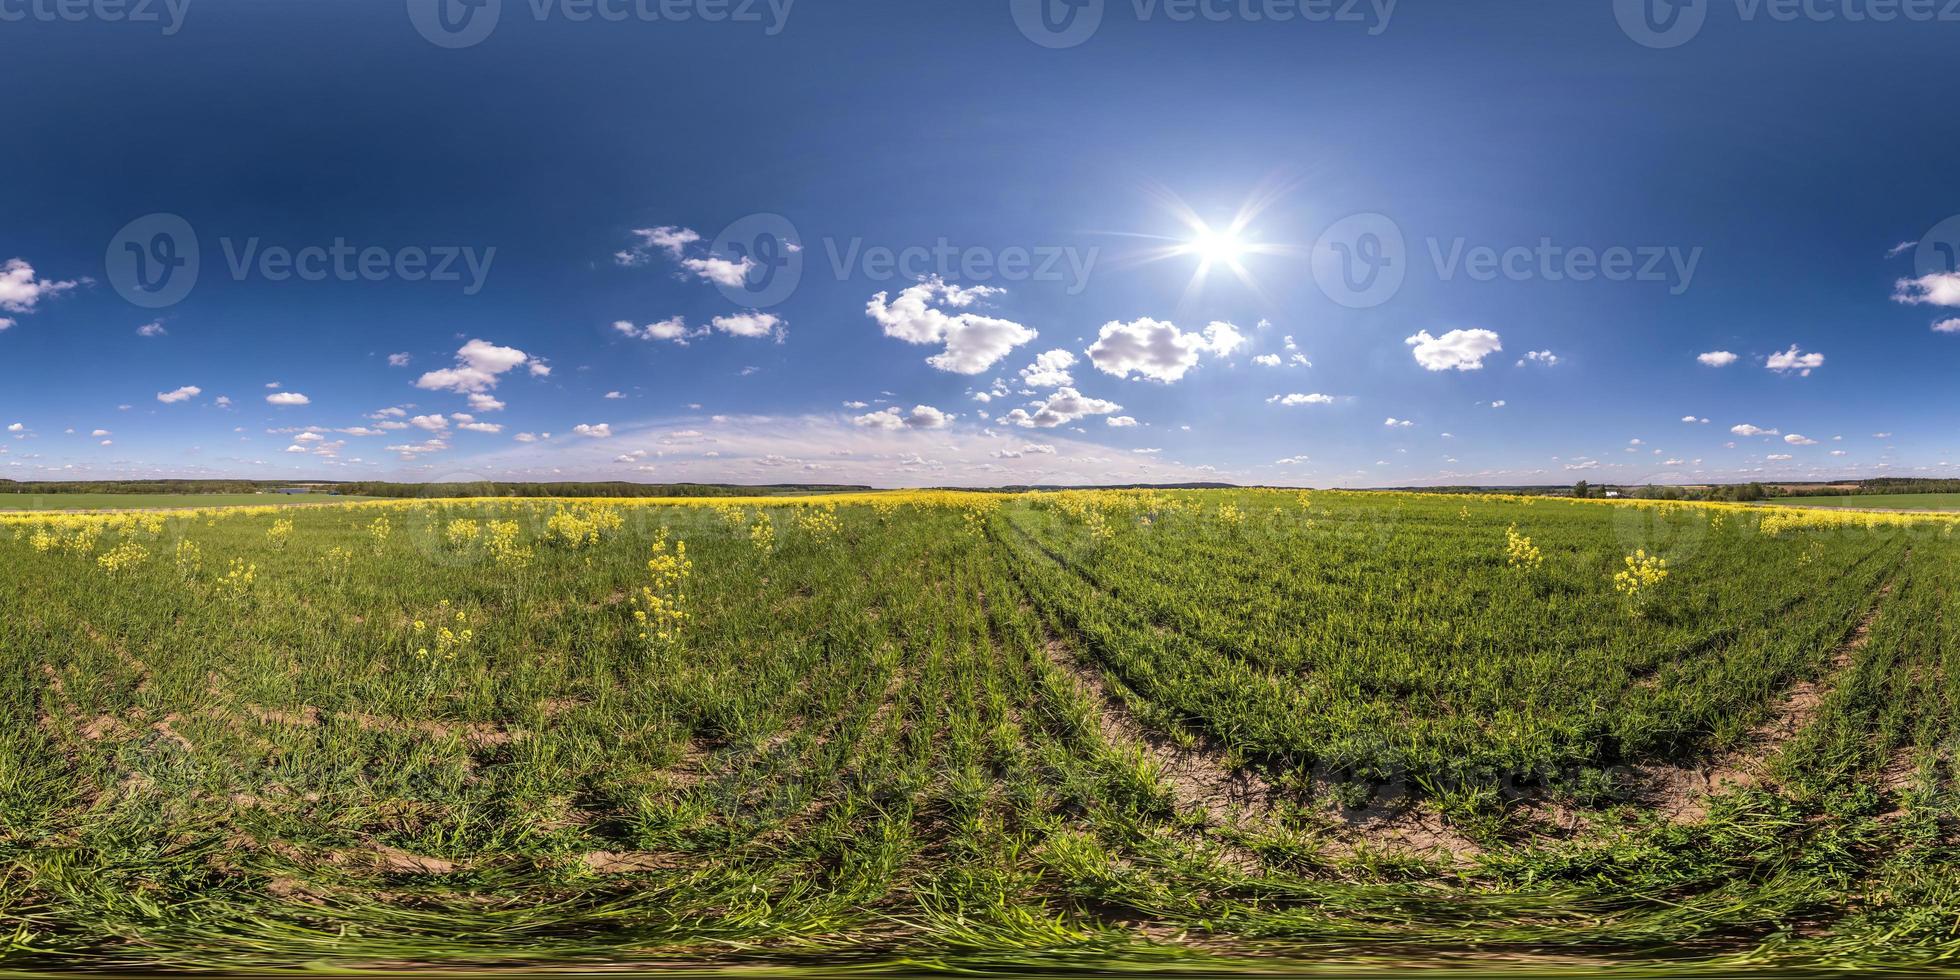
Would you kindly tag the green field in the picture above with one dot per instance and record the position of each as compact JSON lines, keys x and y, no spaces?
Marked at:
{"x":1880,"y":501}
{"x":1220,"y":730}
{"x":152,"y":501}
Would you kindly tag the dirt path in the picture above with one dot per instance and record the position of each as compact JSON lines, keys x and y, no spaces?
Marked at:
{"x":1682,"y":793}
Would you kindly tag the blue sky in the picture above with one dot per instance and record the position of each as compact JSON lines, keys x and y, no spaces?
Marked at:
{"x":551,"y":227}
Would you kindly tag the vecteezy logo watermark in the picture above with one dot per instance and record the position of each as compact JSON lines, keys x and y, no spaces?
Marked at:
{"x":1067,"y":23}
{"x":1058,"y":23}
{"x":463,"y":23}
{"x":765,"y":254}
{"x":168,"y":13}
{"x":1661,"y":24}
{"x":154,"y":262}
{"x":1672,"y":23}
{"x":1938,"y":253}
{"x":966,"y":264}
{"x":1362,"y":261}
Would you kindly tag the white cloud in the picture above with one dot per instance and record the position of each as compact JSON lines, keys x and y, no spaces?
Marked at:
{"x":1947,"y":326}
{"x":1779,"y":457}
{"x":184,"y":394}
{"x":1395,"y":423}
{"x":287,"y":399}
{"x":1299,"y":399}
{"x":673,"y":329}
{"x":479,"y":364}
{"x":1157,"y":349}
{"x":6,"y":323}
{"x":1746,"y":429}
{"x":720,"y":271}
{"x":614,"y":396}
{"x":1936,"y":289}
{"x":1797,"y":440}
{"x":154,"y":328}
{"x":21,"y":290}
{"x":973,"y":342}
{"x":432,"y":423}
{"x":1717,"y":358}
{"x":1267,"y":360}
{"x":1458,"y":350}
{"x":481,"y":402}
{"x":1794,"y":360}
{"x":398,"y":360}
{"x":752,"y":324}
{"x":1120,"y":422}
{"x":1064,"y":406}
{"x":668,"y":238}
{"x":491,"y":428}
{"x":1544,"y":357}
{"x":1049,"y":370}
{"x":1899,"y":249}
{"x":222,"y":401}
{"x":893,"y":418}
{"x":1500,"y":403}
{"x":1693,"y":421}
{"x":601,"y":431}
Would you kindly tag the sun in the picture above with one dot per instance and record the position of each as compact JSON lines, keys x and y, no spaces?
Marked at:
{"x":1217,"y":246}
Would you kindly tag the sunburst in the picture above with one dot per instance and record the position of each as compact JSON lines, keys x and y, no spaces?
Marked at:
{"x":1226,"y":244}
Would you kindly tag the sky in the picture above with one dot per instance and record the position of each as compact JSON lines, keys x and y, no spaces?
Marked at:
{"x":979,"y":242}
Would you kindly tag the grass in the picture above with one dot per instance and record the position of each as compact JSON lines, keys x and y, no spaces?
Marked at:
{"x":1880,"y":501}
{"x":975,"y":732}
{"x":12,"y":502}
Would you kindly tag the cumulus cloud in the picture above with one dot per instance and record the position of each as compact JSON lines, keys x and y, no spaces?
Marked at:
{"x":1717,"y":358}
{"x":1746,"y":429}
{"x":184,"y":394}
{"x":1947,"y":326}
{"x":673,"y":329}
{"x":1796,"y":360}
{"x":1120,"y":422}
{"x":1544,"y":357}
{"x":894,"y":418}
{"x":154,"y":328}
{"x":751,"y":324}
{"x":1049,"y":370}
{"x":602,"y":430}
{"x":1458,"y":350}
{"x":973,"y":342}
{"x":479,"y":364}
{"x":287,"y":399}
{"x":1299,"y":399}
{"x":667,"y":238}
{"x":1797,"y":440}
{"x":1157,"y":349}
{"x":1064,"y":406}
{"x":399,"y":360}
{"x":1395,"y":423}
{"x":1267,"y":360}
{"x":21,"y":290}
{"x":720,"y":271}
{"x":1936,"y":289}
{"x":1693,"y":421}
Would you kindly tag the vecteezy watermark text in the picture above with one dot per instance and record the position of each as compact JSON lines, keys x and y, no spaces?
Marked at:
{"x":1015,"y":263}
{"x":168,"y":13}
{"x":1362,"y":261}
{"x":155,"y":261}
{"x":1068,"y":23}
{"x":463,"y":23}
{"x":1671,"y":23}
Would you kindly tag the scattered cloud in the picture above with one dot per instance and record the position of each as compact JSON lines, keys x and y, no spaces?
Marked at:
{"x":1947,"y":326}
{"x":1797,"y":440}
{"x":893,"y":418}
{"x":673,"y":330}
{"x":1935,"y":289}
{"x":974,"y":343}
{"x":1458,"y":350}
{"x":601,"y":431}
{"x":1796,"y":360}
{"x":399,"y":360}
{"x":1544,"y":357}
{"x":1064,"y":406}
{"x":752,"y":324}
{"x":1120,"y":422}
{"x":1157,"y":349}
{"x":1718,"y":358}
{"x":1049,"y":370}
{"x":154,"y":328}
{"x":21,"y":290}
{"x":479,"y":364}
{"x":287,"y":399}
{"x":1746,"y":429}
{"x":1299,"y":399}
{"x":184,"y":394}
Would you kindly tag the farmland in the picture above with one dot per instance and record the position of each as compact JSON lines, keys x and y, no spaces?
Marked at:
{"x":1147,"y":729}
{"x":155,"y":501}
{"x":1881,"y":501}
